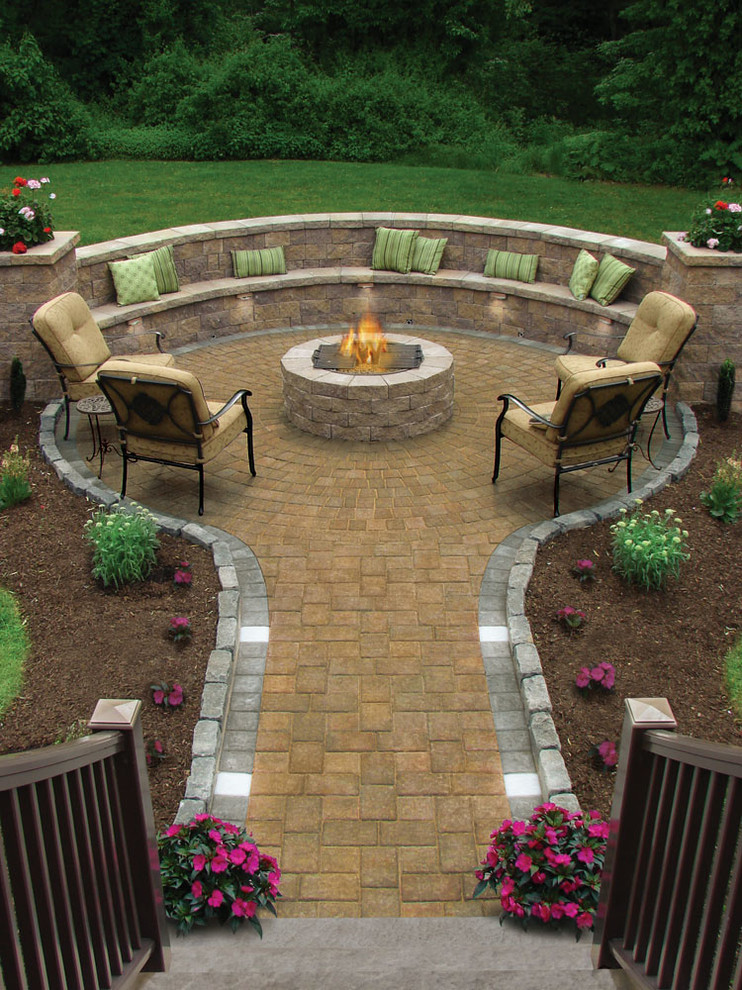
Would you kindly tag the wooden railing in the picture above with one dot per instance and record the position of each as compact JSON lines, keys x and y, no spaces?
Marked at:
{"x":671,"y":899}
{"x":81,"y":902}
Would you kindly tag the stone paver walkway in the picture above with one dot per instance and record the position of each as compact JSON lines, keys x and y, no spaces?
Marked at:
{"x":377,"y":777}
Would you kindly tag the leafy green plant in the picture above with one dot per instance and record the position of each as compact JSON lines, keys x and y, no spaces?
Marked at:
{"x":14,"y":484}
{"x":25,"y":216}
{"x":14,"y":647}
{"x":548,"y":867}
{"x":17,"y":384}
{"x":717,"y":224}
{"x":724,"y":498}
{"x":733,"y":676}
{"x":212,"y":869}
{"x":124,"y":545}
{"x":725,"y":390}
{"x":649,"y":548}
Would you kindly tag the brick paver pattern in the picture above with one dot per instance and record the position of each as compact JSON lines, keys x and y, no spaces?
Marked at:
{"x":377,"y":778}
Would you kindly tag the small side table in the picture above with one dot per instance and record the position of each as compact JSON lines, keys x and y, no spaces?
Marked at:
{"x":94,"y":407}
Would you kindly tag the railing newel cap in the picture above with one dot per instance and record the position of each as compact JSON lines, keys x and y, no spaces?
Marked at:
{"x":115,"y":713}
{"x":650,"y":711}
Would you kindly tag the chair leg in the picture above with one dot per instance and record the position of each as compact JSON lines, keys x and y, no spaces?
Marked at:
{"x":250,"y":451}
{"x":66,"y":417}
{"x":628,"y":472}
{"x":498,"y":444}
{"x":557,"y":474}
{"x":200,"y":489}
{"x":124,"y":471}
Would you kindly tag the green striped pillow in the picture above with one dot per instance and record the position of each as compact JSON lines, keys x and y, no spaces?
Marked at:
{"x":264,"y":261}
{"x":427,"y":254}
{"x":508,"y":264}
{"x":611,"y":278}
{"x":163,"y":263}
{"x":583,"y":275}
{"x":393,"y":249}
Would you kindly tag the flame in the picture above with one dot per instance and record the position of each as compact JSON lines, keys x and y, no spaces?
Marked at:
{"x":364,"y":342}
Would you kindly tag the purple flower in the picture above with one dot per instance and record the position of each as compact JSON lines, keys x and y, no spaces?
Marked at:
{"x":583,"y":678}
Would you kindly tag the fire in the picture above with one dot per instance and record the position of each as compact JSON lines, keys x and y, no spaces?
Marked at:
{"x":364,"y":342}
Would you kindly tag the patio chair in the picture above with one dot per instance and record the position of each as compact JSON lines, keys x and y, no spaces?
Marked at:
{"x":659,"y":332}
{"x":164,"y":417}
{"x":73,"y":340}
{"x":593,"y":421}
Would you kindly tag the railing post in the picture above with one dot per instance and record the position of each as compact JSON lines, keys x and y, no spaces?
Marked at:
{"x":123,"y":716}
{"x":629,"y":800}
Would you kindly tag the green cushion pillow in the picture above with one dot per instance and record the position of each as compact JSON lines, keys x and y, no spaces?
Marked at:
{"x":508,"y":264}
{"x":611,"y":278}
{"x":163,"y":263}
{"x":263,"y":261}
{"x":394,"y":249}
{"x":583,"y":275}
{"x":427,"y":254}
{"x":134,"y":280}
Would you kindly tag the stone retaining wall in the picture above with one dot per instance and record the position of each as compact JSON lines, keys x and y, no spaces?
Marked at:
{"x":328,"y":258}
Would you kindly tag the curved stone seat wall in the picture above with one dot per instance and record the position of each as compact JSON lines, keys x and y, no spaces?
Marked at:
{"x":328,"y":274}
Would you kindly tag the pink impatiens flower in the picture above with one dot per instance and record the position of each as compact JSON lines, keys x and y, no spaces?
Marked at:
{"x":586,"y":855}
{"x":216,"y":898}
{"x":199,"y":862}
{"x":243,"y":909}
{"x":524,"y":862}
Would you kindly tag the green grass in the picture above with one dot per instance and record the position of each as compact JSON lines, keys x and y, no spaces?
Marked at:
{"x":14,"y":647}
{"x":105,"y":200}
{"x":733,"y":676}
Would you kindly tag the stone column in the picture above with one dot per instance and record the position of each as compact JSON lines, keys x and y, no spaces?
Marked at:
{"x":26,"y":281}
{"x":711,"y":282}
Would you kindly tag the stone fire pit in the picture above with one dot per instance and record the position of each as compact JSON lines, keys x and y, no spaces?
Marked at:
{"x":355,"y":406}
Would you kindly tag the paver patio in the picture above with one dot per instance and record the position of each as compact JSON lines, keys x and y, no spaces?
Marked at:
{"x":377,"y":777}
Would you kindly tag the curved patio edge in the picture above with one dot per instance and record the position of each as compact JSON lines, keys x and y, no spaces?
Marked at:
{"x":533,"y":765}
{"x":220,"y":775}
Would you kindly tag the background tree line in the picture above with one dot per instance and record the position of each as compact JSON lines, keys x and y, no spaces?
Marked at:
{"x":649,"y":90}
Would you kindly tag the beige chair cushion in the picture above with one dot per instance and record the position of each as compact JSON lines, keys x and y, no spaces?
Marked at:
{"x":68,"y":329}
{"x":659,"y":329}
{"x":657,"y":332}
{"x":167,"y":426}
{"x":621,"y":402}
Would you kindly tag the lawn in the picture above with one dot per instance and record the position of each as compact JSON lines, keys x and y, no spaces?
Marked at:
{"x":105,"y":200}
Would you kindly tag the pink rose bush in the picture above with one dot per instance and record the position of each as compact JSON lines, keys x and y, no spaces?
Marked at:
{"x":547,"y":868}
{"x":213,"y":869}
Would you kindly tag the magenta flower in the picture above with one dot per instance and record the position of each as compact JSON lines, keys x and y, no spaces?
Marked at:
{"x":219,"y":864}
{"x":584,"y":920}
{"x":524,"y":862}
{"x":584,"y":570}
{"x":216,"y":898}
{"x":197,"y":888}
{"x":586,"y":855}
{"x":243,"y":909}
{"x":607,"y":752}
{"x":215,"y":836}
{"x":199,"y":862}
{"x":571,"y":618}
{"x":237,"y":856}
{"x":158,"y":696}
{"x":583,"y":678}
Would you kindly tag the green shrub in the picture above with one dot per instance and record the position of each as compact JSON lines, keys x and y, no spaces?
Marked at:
{"x":14,"y":484}
{"x":733,"y":676}
{"x":17,"y":384}
{"x":41,"y":120}
{"x":648,"y":549}
{"x":124,"y":545}
{"x":725,"y":389}
{"x":14,"y":647}
{"x":724,"y":498}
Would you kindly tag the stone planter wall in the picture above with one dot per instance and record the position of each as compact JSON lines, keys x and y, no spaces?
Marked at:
{"x":328,"y":258}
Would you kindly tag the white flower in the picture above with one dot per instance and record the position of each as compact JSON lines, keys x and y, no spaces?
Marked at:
{"x":46,"y":179}
{"x":33,"y":184}
{"x":52,"y":195}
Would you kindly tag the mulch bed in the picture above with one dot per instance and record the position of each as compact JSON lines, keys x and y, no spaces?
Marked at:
{"x":87,"y":642}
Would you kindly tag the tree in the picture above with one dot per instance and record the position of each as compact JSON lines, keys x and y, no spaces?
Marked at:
{"x":676,"y":85}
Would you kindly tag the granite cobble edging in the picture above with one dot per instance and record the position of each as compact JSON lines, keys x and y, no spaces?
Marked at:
{"x":242,"y":600}
{"x":515,"y":559}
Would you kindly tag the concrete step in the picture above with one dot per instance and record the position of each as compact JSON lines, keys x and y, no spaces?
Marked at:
{"x":382,"y":954}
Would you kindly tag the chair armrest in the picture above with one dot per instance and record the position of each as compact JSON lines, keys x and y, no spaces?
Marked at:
{"x":237,"y":397}
{"x":142,"y":333}
{"x":507,"y":398}
{"x":570,"y":338}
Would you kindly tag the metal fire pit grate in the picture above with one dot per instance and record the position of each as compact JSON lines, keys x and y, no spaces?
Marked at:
{"x":397,"y":357}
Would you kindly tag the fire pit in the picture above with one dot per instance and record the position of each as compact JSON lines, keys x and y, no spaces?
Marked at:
{"x":368,"y":399}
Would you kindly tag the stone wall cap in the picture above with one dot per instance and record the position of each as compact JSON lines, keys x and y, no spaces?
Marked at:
{"x":43,"y":254}
{"x":693,"y":256}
